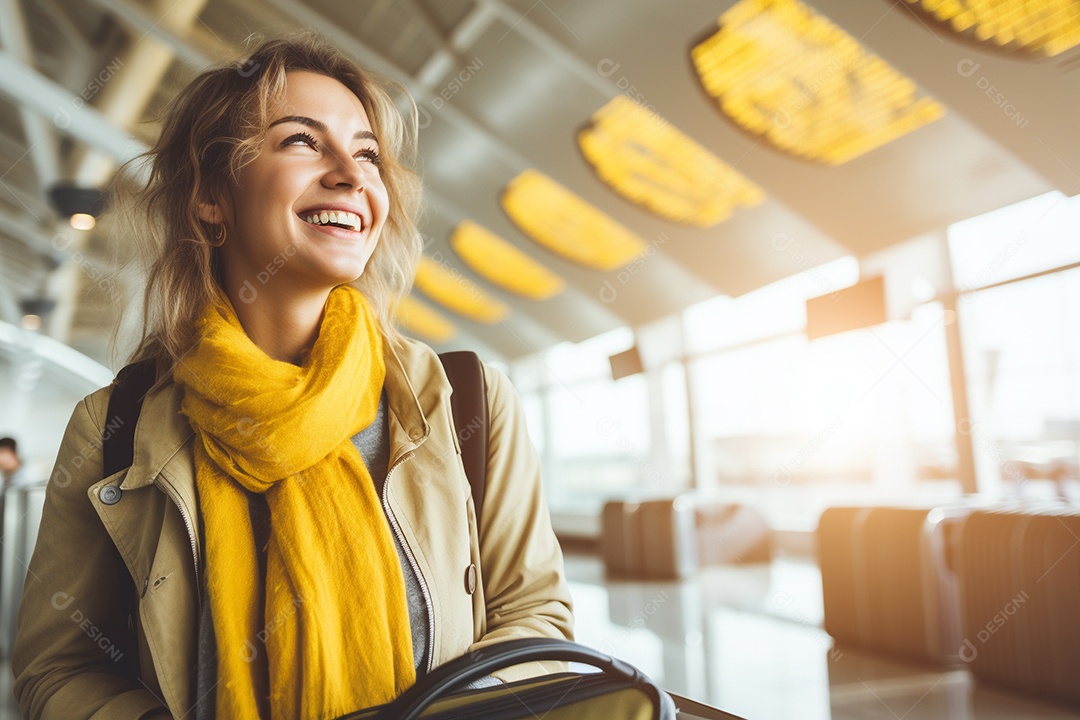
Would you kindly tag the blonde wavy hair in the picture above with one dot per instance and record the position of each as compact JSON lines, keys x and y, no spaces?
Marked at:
{"x":212,"y":129}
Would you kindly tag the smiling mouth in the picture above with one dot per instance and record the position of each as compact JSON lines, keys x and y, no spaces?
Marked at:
{"x":335,"y":218}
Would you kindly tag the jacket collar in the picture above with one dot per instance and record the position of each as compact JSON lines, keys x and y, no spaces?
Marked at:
{"x":159,"y":434}
{"x":410,"y":405}
{"x":162,"y":430}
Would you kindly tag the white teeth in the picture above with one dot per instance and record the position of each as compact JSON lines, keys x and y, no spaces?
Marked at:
{"x":337,"y":217}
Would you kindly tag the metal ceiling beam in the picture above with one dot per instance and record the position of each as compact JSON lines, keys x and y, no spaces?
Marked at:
{"x":552,"y":47}
{"x":32,"y":204}
{"x":423,"y":16}
{"x":10,"y":147}
{"x":125,"y":94}
{"x":62,"y":22}
{"x":39,"y":137}
{"x":34,"y":91}
{"x":144,"y":25}
{"x":9,"y":306}
{"x":461,"y":38}
{"x":67,"y":111}
{"x":28,"y":235}
{"x":122,"y":99}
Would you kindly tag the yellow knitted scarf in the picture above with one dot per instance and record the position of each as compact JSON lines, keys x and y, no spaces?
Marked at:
{"x":332,"y":633}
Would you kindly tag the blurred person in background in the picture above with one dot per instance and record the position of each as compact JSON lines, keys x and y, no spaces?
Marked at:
{"x":10,"y":463}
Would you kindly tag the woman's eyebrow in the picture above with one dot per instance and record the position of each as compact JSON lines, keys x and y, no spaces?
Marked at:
{"x":321,"y":126}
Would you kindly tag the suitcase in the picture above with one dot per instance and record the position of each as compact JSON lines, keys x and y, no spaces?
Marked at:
{"x":620,"y":539}
{"x":1019,"y":571}
{"x":669,"y":539}
{"x":732,"y":534}
{"x":887,"y":580}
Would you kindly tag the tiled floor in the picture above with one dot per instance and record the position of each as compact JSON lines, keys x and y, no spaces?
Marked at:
{"x":749,"y":640}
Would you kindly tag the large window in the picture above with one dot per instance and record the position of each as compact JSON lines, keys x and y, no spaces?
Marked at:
{"x":794,"y":425}
{"x":596,"y":440}
{"x":738,"y":400}
{"x":1022,"y":344}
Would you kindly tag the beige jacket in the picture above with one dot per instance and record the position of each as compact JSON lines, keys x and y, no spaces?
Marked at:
{"x":65,"y":659}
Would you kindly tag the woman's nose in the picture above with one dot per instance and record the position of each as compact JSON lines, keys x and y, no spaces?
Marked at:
{"x":344,"y":172}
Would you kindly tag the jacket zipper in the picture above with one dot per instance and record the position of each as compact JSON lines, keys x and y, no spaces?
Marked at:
{"x":412,"y":561}
{"x":190,"y":529}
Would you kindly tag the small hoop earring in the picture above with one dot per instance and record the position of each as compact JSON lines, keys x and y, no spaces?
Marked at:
{"x":219,"y":237}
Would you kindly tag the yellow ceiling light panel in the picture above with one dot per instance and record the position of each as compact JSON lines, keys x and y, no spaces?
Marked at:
{"x":785,"y":73}
{"x":499,"y":262}
{"x":567,"y":225}
{"x":1049,"y":27}
{"x":452,"y":290}
{"x":419,"y":320}
{"x":648,"y":161}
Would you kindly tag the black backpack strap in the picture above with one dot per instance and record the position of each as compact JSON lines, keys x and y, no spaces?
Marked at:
{"x":117,"y":451}
{"x":470,"y":410}
{"x":118,"y":439}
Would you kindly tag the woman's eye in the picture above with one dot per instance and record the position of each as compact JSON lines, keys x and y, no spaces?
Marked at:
{"x":301,"y":138}
{"x":371,"y":156}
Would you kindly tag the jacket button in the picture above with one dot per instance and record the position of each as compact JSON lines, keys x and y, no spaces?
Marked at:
{"x":110,"y":494}
{"x":470,"y":578}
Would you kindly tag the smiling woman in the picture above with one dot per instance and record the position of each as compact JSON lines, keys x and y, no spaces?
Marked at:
{"x":293,"y":129}
{"x":295,"y":535}
{"x":320,"y":198}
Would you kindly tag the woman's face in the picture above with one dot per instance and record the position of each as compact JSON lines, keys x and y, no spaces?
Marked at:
{"x":307,"y":212}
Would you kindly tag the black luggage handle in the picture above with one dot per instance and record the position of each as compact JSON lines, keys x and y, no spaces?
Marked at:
{"x":478,"y":663}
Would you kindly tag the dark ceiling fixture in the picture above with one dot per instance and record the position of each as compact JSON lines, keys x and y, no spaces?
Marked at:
{"x":80,"y":205}
{"x":35,"y":310}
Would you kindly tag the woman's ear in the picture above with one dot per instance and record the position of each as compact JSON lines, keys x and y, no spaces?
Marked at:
{"x":211,"y":213}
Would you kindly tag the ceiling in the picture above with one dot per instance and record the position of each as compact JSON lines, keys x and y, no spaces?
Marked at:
{"x":504,"y":86}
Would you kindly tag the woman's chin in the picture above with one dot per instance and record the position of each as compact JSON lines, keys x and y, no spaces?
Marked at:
{"x":337,"y":273}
